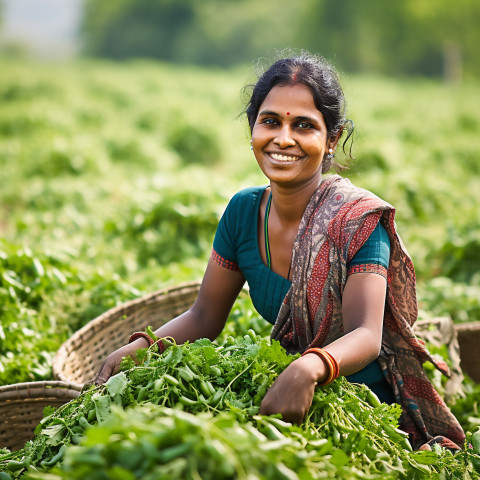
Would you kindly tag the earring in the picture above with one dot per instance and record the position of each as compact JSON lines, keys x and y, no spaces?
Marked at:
{"x":330,"y":154}
{"x":251,"y":145}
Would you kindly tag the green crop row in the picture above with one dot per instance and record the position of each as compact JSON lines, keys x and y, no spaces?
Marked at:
{"x":114,"y":177}
{"x":347,"y":433}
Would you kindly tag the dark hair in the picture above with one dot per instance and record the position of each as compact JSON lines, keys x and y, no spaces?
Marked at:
{"x":318,"y":75}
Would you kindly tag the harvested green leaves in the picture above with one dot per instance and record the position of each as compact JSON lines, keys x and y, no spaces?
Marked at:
{"x":346,"y":427}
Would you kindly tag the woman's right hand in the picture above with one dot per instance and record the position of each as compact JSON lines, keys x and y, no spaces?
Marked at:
{"x":205,"y":319}
{"x":112,"y":363}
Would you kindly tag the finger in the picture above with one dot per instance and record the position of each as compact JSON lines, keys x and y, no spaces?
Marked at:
{"x":103,"y":374}
{"x":100,"y":380}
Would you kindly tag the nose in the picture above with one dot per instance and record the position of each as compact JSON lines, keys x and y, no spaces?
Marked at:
{"x":284,"y":138}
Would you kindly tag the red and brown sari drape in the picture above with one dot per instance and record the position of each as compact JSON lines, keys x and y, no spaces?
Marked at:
{"x":337,"y":221}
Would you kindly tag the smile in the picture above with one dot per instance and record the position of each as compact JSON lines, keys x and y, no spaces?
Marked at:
{"x":284,"y":158}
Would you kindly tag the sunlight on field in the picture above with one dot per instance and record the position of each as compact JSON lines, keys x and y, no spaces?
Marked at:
{"x":114,"y":177}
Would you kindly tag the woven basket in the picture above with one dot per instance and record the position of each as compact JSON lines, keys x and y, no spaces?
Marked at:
{"x":21,"y":408}
{"x":469,"y":340}
{"x":441,"y":331}
{"x":81,"y":356}
{"x":462,"y":341}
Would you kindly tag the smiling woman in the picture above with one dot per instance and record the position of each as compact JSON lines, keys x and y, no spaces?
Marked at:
{"x":290,"y":148}
{"x":323,"y":261}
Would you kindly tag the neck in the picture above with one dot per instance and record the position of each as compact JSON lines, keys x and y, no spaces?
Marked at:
{"x":290,"y":202}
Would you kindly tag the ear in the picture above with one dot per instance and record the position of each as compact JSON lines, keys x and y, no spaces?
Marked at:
{"x":333,"y":141}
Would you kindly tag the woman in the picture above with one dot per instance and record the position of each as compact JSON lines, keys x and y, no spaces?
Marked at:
{"x":322,"y":259}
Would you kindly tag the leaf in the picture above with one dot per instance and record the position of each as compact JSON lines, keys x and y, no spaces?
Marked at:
{"x":209,"y":352}
{"x":476,"y":442}
{"x":55,"y":434}
{"x":102,"y":406}
{"x":339,"y":458}
{"x":14,"y":283}
{"x":141,"y":354}
{"x":120,"y":473}
{"x":117,"y":384}
{"x":426,"y":457}
{"x":174,"y":355}
{"x":38,"y":267}
{"x":285,"y":473}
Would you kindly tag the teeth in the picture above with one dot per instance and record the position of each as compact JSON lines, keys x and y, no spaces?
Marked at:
{"x":284,"y":158}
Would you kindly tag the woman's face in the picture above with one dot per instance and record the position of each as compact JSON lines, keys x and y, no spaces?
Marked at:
{"x":289,"y":137}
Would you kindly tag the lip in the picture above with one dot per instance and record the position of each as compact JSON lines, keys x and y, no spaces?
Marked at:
{"x":284,"y":158}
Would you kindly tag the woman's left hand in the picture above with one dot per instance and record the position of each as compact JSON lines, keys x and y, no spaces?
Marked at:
{"x":292,"y":392}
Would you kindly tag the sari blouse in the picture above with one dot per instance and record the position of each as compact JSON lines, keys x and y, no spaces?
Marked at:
{"x":236,"y":247}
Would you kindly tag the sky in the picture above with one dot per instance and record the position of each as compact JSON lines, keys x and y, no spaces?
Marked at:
{"x":47,"y":27}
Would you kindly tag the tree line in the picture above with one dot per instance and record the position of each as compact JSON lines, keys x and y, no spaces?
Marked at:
{"x":409,"y":37}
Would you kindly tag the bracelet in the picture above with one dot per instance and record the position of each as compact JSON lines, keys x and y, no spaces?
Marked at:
{"x":134,"y":336}
{"x":161,"y":347}
{"x":330,"y":362}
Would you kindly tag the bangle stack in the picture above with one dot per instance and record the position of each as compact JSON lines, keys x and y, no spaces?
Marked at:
{"x":330,"y":362}
{"x":160,"y":346}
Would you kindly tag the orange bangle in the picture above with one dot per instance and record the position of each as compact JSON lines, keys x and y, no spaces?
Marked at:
{"x":335,"y":367}
{"x":332,"y":365}
{"x":330,"y":362}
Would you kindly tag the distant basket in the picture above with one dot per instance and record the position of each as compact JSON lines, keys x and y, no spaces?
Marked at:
{"x":438,"y":332}
{"x":462,"y":341}
{"x":81,"y":356}
{"x":469,"y":340}
{"x":21,"y":408}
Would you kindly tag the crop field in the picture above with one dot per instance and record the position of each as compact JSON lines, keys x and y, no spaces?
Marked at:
{"x":114,"y":176}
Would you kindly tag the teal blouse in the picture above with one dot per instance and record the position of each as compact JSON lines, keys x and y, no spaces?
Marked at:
{"x":235,"y":246}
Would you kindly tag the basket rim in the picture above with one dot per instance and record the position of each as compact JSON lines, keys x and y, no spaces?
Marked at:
{"x":38,"y":389}
{"x":460,"y":327}
{"x":91,"y":328}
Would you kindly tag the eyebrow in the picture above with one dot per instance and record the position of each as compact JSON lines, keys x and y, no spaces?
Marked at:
{"x":301,"y":117}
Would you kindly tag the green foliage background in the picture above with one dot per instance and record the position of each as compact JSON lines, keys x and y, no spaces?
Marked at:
{"x":114,"y":177}
{"x":396,"y":38}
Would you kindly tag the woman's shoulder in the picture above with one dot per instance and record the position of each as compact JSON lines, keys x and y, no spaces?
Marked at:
{"x":248,"y":196}
{"x":354,"y":193}
{"x":239,"y":217}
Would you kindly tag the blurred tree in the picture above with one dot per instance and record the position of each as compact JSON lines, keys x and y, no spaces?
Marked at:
{"x":451,"y":31}
{"x":400,"y":38}
{"x":208,"y":32}
{"x":409,"y":37}
{"x":137,"y":28}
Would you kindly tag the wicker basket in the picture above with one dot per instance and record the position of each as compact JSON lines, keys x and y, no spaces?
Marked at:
{"x":441,"y":331}
{"x":21,"y":408}
{"x":462,"y":341}
{"x":469,"y":340}
{"x":80,"y":357}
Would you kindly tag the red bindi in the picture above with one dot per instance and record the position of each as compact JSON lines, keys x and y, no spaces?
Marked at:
{"x":288,"y":113}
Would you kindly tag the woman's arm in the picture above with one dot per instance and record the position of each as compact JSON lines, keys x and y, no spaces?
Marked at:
{"x":362,"y":308}
{"x":205,"y":319}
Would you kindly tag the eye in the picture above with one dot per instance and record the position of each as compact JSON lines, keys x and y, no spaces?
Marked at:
{"x":304,"y":125}
{"x":269,"y":121}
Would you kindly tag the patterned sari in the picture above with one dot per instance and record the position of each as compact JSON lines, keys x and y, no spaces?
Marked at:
{"x":337,"y":221}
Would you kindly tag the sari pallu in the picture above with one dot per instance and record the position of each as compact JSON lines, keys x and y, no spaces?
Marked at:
{"x":337,"y":221}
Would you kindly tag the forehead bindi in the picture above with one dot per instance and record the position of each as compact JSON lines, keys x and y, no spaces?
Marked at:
{"x":291,"y":100}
